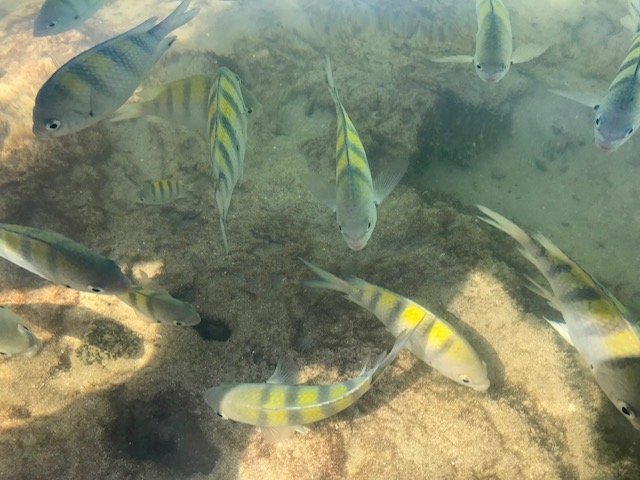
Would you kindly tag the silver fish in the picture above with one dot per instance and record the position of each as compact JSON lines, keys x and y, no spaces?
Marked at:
{"x":57,"y":16}
{"x":15,"y":338}
{"x":92,"y":85}
{"x":60,"y":260}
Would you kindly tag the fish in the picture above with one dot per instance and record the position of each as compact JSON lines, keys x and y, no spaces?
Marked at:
{"x":94,"y":84}
{"x":355,"y":195}
{"x":281,"y":406}
{"x":227,"y":118}
{"x":438,"y":344}
{"x":617,"y":114}
{"x":595,"y":322}
{"x":183,"y":102}
{"x":61,"y":260}
{"x":494,"y":53}
{"x":15,"y":338}
{"x":160,"y":192}
{"x":57,"y":16}
{"x":160,"y":307}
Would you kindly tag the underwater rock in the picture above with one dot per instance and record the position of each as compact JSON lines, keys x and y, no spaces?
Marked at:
{"x":161,"y":430}
{"x":107,"y":340}
{"x":455,"y":132}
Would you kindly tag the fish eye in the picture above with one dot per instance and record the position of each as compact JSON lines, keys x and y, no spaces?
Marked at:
{"x":178,"y":323}
{"x":4,"y":355}
{"x":76,"y":17}
{"x":53,"y":125}
{"x":479,"y":67}
{"x":630,"y":131}
{"x":598,"y":120}
{"x":95,"y":289}
{"x":626,"y":410}
{"x":340,"y":227}
{"x":369,"y":226}
{"x":465,"y":379}
{"x":52,"y":24}
{"x":219,"y":414}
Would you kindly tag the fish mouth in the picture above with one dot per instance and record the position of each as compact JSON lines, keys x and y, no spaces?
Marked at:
{"x":482,"y":387}
{"x":606,"y":146}
{"x":356,"y":246}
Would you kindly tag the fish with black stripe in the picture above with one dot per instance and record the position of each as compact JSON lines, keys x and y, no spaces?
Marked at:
{"x":184,"y":102}
{"x":160,"y":192}
{"x":437,"y":343}
{"x":494,"y":53}
{"x":618,"y":113}
{"x":92,"y":85}
{"x":355,"y":195}
{"x":61,"y":260}
{"x":57,"y":16}
{"x":281,"y":406}
{"x":227,"y":130}
{"x":595,"y":322}
{"x":161,"y":307}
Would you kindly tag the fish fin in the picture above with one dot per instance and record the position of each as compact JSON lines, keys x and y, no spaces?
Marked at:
{"x":277,"y":434}
{"x":250,"y":101}
{"x":453,"y":59}
{"x":507,"y":226}
{"x":223,"y":229}
{"x":388,"y":177}
{"x":325,"y":192}
{"x":176,"y":19}
{"x":385,"y":359}
{"x":326,"y":279}
{"x":584,"y":98}
{"x":538,"y":289}
{"x":525,"y":53}
{"x":332,"y":87}
{"x":285,"y":373}
{"x":128,"y":111}
{"x":561,"y":328}
{"x":631,"y":21}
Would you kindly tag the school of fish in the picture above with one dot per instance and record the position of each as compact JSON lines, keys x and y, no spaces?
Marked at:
{"x":95,"y":85}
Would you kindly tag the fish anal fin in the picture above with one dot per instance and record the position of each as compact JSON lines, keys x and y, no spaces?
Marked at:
{"x":453,"y":59}
{"x":279,"y":434}
{"x":538,"y":289}
{"x":324,"y":192}
{"x":561,"y":328}
{"x":285,"y":374}
{"x":584,"y":98}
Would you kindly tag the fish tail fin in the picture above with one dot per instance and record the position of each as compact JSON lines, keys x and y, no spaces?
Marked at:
{"x":223,"y":228}
{"x":386,"y":359}
{"x":631,"y":21}
{"x":507,"y":226}
{"x":176,"y":19}
{"x":332,"y":86}
{"x":326,"y":280}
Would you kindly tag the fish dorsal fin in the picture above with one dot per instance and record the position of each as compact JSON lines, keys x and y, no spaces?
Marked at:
{"x":284,"y":374}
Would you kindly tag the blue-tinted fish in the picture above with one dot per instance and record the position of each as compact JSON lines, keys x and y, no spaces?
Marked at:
{"x":227,"y":127}
{"x":161,"y":307}
{"x":280,"y":406}
{"x":92,"y":85}
{"x":60,"y":260}
{"x":595,"y":322}
{"x":618,"y":113}
{"x":15,"y":338}
{"x":494,"y":44}
{"x":57,"y":16}
{"x":355,"y":196}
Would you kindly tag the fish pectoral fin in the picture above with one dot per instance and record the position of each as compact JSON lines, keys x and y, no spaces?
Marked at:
{"x":584,"y":98}
{"x":561,"y":328}
{"x":278,"y":434}
{"x":388,"y":177}
{"x":285,"y":373}
{"x":250,"y":101}
{"x":453,"y":59}
{"x":525,"y":53}
{"x":324,"y":192}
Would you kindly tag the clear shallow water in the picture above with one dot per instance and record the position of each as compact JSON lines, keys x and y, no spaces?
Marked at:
{"x":520,"y":151}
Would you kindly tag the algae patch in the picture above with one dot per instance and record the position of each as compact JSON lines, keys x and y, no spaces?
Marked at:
{"x":107,"y":340}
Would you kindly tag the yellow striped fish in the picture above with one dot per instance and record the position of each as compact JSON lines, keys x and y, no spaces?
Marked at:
{"x":355,"y":195}
{"x":60,"y":260}
{"x":227,"y":128}
{"x":15,"y":338}
{"x":161,"y":307}
{"x":160,"y":192}
{"x":436,"y":343}
{"x":494,"y":44}
{"x":279,"y":406}
{"x":92,"y":85}
{"x":595,"y":322}
{"x":183,"y":102}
